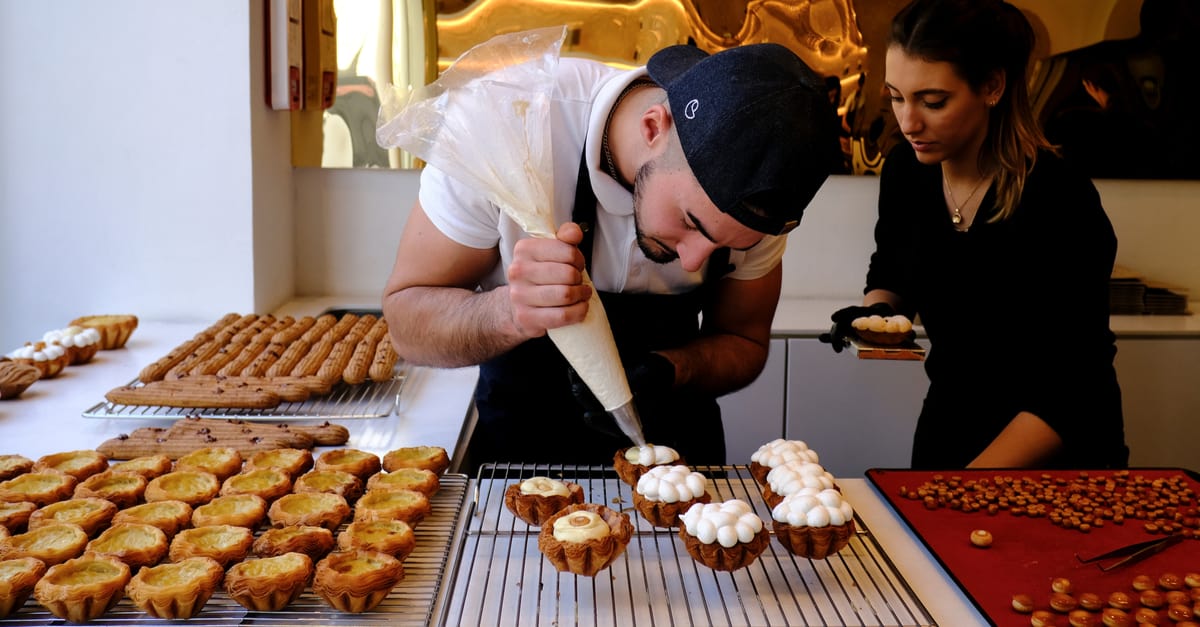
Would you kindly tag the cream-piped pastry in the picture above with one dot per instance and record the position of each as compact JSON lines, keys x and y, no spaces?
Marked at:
{"x":792,"y":476}
{"x":723,"y":536}
{"x":49,"y":359}
{"x":776,"y":453}
{"x":878,"y":329}
{"x":665,"y":492}
{"x":535,"y":499}
{"x":81,"y":343}
{"x":584,"y":538}
{"x":813,"y":523}
{"x":632,"y":462}
{"x":580,"y":526}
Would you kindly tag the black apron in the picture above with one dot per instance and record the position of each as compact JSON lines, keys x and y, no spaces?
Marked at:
{"x":526,"y":412}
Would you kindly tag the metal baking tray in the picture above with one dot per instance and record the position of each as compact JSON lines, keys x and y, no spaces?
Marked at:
{"x":503,"y":579}
{"x":417,"y":600}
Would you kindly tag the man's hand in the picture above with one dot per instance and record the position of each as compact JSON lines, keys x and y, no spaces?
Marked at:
{"x":545,"y":282}
{"x":843,"y":320}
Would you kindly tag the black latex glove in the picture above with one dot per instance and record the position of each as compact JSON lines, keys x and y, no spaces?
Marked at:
{"x":650,"y":375}
{"x":844,"y":318}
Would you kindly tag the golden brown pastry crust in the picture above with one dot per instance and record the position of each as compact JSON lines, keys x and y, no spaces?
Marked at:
{"x":135,"y":544}
{"x":114,"y":329}
{"x":267,"y":483}
{"x":15,"y":516}
{"x":361,"y":464}
{"x":40,"y":488}
{"x":534,"y":509}
{"x":16,"y":377}
{"x":91,"y":514}
{"x":310,"y":540}
{"x":13,"y":465}
{"x":83,"y":588}
{"x":320,"y":509}
{"x":169,"y":516}
{"x":813,"y":542}
{"x":222,"y":461}
{"x":419,"y":479}
{"x":194,"y":487}
{"x":269,"y":584}
{"x":338,"y":482}
{"x":293,"y":461}
{"x":662,"y":514}
{"x":630,"y":472}
{"x":78,"y":464}
{"x":433,"y":458}
{"x":239,"y":510}
{"x":124,"y":489}
{"x":148,"y":466}
{"x":175,"y":590}
{"x":394,"y":537}
{"x":17,"y":578}
{"x":408,"y":505}
{"x":591,"y":556}
{"x":359,"y":588}
{"x":53,"y":544}
{"x":727,"y":559}
{"x":225,"y":543}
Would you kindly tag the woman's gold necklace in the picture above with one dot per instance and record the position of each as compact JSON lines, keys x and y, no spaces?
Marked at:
{"x":957,"y":218}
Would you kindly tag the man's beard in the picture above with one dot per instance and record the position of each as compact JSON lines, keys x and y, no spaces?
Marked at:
{"x":652,"y":252}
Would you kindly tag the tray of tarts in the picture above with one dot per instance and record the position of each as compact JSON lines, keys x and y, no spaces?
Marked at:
{"x":216,"y":538}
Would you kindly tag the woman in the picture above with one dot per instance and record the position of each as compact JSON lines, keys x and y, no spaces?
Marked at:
{"x":1002,"y":250}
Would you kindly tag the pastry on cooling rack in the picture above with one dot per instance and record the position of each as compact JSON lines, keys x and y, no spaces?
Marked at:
{"x":408,"y":505}
{"x":337,"y":482}
{"x":13,"y":465}
{"x":17,"y":578}
{"x":84,"y":588}
{"x":194,"y":487}
{"x":221,"y":461}
{"x":419,"y":479}
{"x":310,"y":540}
{"x":293,"y":461}
{"x":361,"y":464}
{"x":124,"y":489}
{"x":175,"y":590}
{"x":790,"y":477}
{"x":776,"y":453}
{"x":321,"y":509}
{"x":133,"y":543}
{"x":585,"y":538}
{"x":394,"y":537}
{"x":723,"y":536}
{"x":356,"y":581}
{"x":433,"y":458}
{"x":15,"y":516}
{"x":114,"y":329}
{"x":40,"y":488}
{"x":239,"y":510}
{"x":224,"y":543}
{"x":78,"y":464}
{"x":269,"y":584}
{"x":169,"y":516}
{"x":148,"y":466}
{"x":53,"y":544}
{"x":266,"y":483}
{"x":535,"y":499}
{"x":630,"y":463}
{"x":813,"y":523}
{"x":665,"y":492}
{"x":91,"y":514}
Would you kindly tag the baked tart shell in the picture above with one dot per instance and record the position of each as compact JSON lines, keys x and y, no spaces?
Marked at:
{"x":361,"y":464}
{"x":190,"y":486}
{"x":53,"y":544}
{"x":175,"y":590}
{"x":224,"y":543}
{"x":352,"y":589}
{"x":135,"y":544}
{"x":269,"y":584}
{"x":408,"y":505}
{"x":17,"y":579}
{"x":320,"y":509}
{"x":432,"y":458}
{"x":813,"y":542}
{"x":534,"y":509}
{"x":590,"y":556}
{"x":394,"y":537}
{"x":169,"y":516}
{"x":40,"y":488}
{"x":727,"y":559}
{"x":310,"y":540}
{"x":124,"y":489}
{"x":84,"y":588}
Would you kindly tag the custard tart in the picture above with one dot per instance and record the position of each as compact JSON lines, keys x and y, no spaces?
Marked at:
{"x":91,"y":514}
{"x":53,"y":544}
{"x":356,"y":581}
{"x":361,"y":464}
{"x":535,"y":499}
{"x":268,"y":483}
{"x":222,"y":461}
{"x":394,"y":537}
{"x":194,"y":487}
{"x":310,"y":540}
{"x":148,"y":466}
{"x":78,"y":464}
{"x":13,"y":465}
{"x":240,"y":510}
{"x":584,"y":539}
{"x":175,"y":590}
{"x":135,"y":544}
{"x":169,"y":516}
{"x":419,"y":479}
{"x":17,"y":578}
{"x":432,"y":458}
{"x":408,"y":505}
{"x":293,"y":461}
{"x":15,"y":516}
{"x":40,"y":488}
{"x":114,"y":329}
{"x":224,"y":543}
{"x":124,"y":489}
{"x":339,"y":482}
{"x":269,"y":584}
{"x":84,"y":588}
{"x":320,"y":509}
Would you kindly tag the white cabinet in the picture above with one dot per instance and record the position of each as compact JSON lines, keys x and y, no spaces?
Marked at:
{"x":754,"y":414}
{"x":1160,"y":397}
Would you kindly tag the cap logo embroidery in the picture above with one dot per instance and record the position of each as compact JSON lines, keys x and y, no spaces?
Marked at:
{"x":689,"y":111}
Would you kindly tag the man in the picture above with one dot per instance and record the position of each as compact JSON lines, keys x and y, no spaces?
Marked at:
{"x":684,"y":176}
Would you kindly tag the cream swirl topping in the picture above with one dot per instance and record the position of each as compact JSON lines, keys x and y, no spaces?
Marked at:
{"x":672,"y":484}
{"x":794,"y":475}
{"x":72,"y":336}
{"x":780,"y":451}
{"x":38,"y":352}
{"x":810,"y":507}
{"x":727,"y":523}
{"x":544,"y":486}
{"x":880,"y":324}
{"x":580,"y":526}
{"x":650,"y":455}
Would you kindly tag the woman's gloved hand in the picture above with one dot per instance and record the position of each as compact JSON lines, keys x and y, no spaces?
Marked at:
{"x":650,"y":376}
{"x":843,"y":320}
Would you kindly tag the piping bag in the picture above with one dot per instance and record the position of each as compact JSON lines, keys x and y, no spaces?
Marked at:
{"x":487,"y":120}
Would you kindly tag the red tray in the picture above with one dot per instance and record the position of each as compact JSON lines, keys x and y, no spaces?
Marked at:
{"x":1028,"y":553}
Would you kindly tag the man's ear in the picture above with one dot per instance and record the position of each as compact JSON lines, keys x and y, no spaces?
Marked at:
{"x":655,"y":126}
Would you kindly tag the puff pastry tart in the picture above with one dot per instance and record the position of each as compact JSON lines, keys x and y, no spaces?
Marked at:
{"x":408,"y":505}
{"x":320,"y":509}
{"x":357,"y":581}
{"x":222,"y":461}
{"x":194,"y":487}
{"x":84,"y":588}
{"x":293,"y":461}
{"x":135,"y":544}
{"x":78,"y":464}
{"x":268,"y":483}
{"x":537,"y":498}
{"x":269,"y":584}
{"x":239,"y":510}
{"x":40,"y":488}
{"x":13,"y":465}
{"x":419,"y":479}
{"x":15,"y":516}
{"x":17,"y":578}
{"x":225,"y":543}
{"x":169,"y":516}
{"x":91,"y":514}
{"x":339,"y":482}
{"x":53,"y":544}
{"x":394,"y":537}
{"x":310,"y":540}
{"x":584,"y":539}
{"x":114,"y":329}
{"x":175,"y":590}
{"x":148,"y":466}
{"x":361,"y":464}
{"x":432,"y":458}
{"x":124,"y":489}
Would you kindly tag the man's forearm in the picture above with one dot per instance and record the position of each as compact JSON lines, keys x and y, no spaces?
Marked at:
{"x":449,"y":327}
{"x":718,"y":364}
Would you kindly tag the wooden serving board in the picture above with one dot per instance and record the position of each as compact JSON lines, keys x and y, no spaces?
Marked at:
{"x":908,"y":351}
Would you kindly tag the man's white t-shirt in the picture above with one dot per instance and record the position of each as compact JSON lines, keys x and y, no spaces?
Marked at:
{"x":586,"y":92}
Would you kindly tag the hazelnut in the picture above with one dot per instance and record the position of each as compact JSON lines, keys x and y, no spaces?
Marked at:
{"x":1022,"y":603}
{"x":1113,"y":617}
{"x":981,"y":538}
{"x":1061,"y":584}
{"x":1120,"y":600}
{"x":1179,"y":612}
{"x":1192,"y":580}
{"x":1091,"y":602}
{"x":1062,"y":602}
{"x":1170,"y":581}
{"x":1152,"y":598}
{"x":1145,"y":616}
{"x":1143,"y":582}
{"x":1081,"y":618}
{"x":1041,"y":618}
{"x":1177,"y":597}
